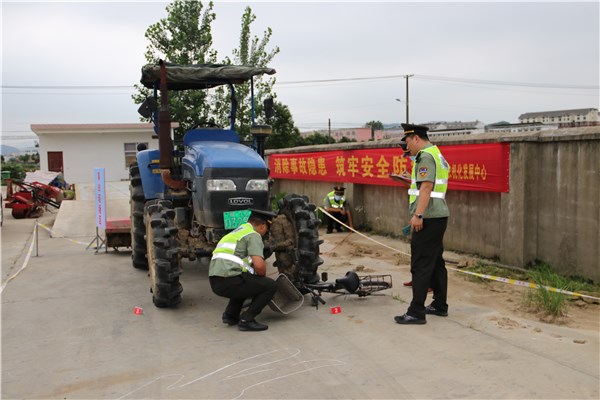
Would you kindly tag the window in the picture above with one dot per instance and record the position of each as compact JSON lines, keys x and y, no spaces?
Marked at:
{"x":130,"y":152}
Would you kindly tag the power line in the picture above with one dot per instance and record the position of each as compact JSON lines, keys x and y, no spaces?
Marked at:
{"x":507,"y":83}
{"x":65,"y":87}
{"x":337,"y":80}
{"x":371,"y":78}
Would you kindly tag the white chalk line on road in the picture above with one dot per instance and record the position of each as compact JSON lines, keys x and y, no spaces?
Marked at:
{"x":253,"y":370}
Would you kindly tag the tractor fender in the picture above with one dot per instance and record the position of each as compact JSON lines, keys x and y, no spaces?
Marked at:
{"x":150,"y":173}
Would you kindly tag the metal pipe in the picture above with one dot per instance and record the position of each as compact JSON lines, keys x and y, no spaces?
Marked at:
{"x":165,"y":144}
{"x":37,"y":240}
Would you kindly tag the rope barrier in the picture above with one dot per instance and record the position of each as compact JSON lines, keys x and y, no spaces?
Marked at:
{"x":34,"y":243}
{"x":25,"y":262}
{"x":484,"y":276}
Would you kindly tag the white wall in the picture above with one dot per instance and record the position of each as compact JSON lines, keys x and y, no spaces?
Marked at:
{"x":83,"y":152}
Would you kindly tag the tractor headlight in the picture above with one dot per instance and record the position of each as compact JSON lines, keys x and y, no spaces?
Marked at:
{"x":257,"y":184}
{"x":220,"y":185}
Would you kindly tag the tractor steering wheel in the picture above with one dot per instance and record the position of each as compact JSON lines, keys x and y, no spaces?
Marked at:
{"x":208,"y":124}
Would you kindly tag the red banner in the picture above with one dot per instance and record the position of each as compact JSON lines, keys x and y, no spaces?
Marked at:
{"x":473,"y":167}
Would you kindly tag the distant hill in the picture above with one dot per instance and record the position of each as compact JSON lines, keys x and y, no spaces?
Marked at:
{"x":5,"y":150}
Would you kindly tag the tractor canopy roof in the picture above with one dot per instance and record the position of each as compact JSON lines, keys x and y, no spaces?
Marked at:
{"x":200,"y":76}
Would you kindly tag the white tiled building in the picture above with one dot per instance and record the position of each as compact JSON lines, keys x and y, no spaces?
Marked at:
{"x":564,"y":118}
{"x":77,"y":149}
{"x":455,"y":128}
{"x":520,"y":127}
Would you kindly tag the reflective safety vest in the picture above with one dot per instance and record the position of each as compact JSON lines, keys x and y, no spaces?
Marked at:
{"x":333,"y":202}
{"x":226,"y":247}
{"x":441,"y":176}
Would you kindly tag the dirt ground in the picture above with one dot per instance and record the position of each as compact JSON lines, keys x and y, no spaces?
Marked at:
{"x":353,"y":251}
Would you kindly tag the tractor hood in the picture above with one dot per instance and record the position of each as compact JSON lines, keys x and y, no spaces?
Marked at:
{"x":223,"y":155}
{"x":200,"y":76}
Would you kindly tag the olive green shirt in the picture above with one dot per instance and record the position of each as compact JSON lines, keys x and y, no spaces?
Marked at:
{"x":425,"y":172}
{"x":249,"y":245}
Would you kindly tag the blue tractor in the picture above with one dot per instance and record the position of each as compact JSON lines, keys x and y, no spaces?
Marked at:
{"x":185,"y":199}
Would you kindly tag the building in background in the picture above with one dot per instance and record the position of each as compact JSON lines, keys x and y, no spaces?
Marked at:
{"x":77,"y":149}
{"x":520,"y":127}
{"x":564,"y":118}
{"x":528,"y":122}
{"x":444,"y":128}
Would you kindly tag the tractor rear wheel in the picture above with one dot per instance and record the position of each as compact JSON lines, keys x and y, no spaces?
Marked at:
{"x":163,"y":253}
{"x":302,"y":263}
{"x":138,"y":229}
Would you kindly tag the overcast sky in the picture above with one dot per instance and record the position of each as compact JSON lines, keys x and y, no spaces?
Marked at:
{"x":471,"y":61}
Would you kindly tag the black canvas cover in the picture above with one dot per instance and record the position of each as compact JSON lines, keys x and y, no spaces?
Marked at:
{"x":200,"y":76}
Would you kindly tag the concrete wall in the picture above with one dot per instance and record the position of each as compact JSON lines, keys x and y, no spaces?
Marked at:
{"x":84,"y":152}
{"x":551,"y":213}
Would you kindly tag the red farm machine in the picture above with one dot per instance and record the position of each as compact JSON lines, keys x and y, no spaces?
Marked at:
{"x":28,"y":200}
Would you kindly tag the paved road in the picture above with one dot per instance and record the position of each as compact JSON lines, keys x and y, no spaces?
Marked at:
{"x":69,"y":331}
{"x":76,"y":219}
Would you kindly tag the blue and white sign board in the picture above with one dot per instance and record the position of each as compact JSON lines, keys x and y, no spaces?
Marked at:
{"x":100,"y":196}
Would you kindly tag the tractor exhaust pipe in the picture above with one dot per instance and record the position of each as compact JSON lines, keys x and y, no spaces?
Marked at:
{"x":165,"y":144}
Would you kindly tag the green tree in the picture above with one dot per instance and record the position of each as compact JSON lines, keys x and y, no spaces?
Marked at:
{"x":16,"y":170}
{"x":318,"y":138}
{"x":184,"y":37}
{"x":377,"y":125}
{"x":374,"y":125}
{"x":253,"y":52}
{"x":285,"y":134}
{"x":345,"y":139}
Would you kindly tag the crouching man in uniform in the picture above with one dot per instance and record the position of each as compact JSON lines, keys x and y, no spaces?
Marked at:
{"x":237,"y":271}
{"x":335,"y":203}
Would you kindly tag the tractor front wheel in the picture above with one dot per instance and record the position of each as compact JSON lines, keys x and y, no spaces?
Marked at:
{"x":164,"y":263}
{"x":301,"y":263}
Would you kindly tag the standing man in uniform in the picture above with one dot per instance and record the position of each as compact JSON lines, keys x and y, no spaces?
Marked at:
{"x":335,"y":203}
{"x":429,"y":219}
{"x":237,"y":271}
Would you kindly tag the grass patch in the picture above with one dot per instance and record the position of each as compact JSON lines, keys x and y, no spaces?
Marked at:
{"x":541,"y":300}
{"x":549,"y":302}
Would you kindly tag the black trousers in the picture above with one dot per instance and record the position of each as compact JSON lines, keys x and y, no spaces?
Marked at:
{"x":334,"y":224}
{"x":241,"y":287}
{"x":427,"y":267}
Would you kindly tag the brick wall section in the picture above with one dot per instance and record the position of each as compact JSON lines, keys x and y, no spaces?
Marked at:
{"x":552,"y":212}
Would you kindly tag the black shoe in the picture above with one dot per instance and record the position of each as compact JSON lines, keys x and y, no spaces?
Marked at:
{"x":329,"y":231}
{"x":432,"y":310}
{"x":229,"y":320}
{"x":339,"y":229}
{"x":409,"y":320}
{"x":252,"y":326}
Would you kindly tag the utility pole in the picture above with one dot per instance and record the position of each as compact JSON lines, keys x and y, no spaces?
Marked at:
{"x":407,"y":76}
{"x":329,"y":126}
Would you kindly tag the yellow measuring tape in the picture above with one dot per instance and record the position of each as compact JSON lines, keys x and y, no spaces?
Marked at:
{"x":484,"y":276}
{"x":524,"y":284}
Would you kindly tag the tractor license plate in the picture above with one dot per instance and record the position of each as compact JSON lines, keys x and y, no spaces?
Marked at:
{"x":233,"y":219}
